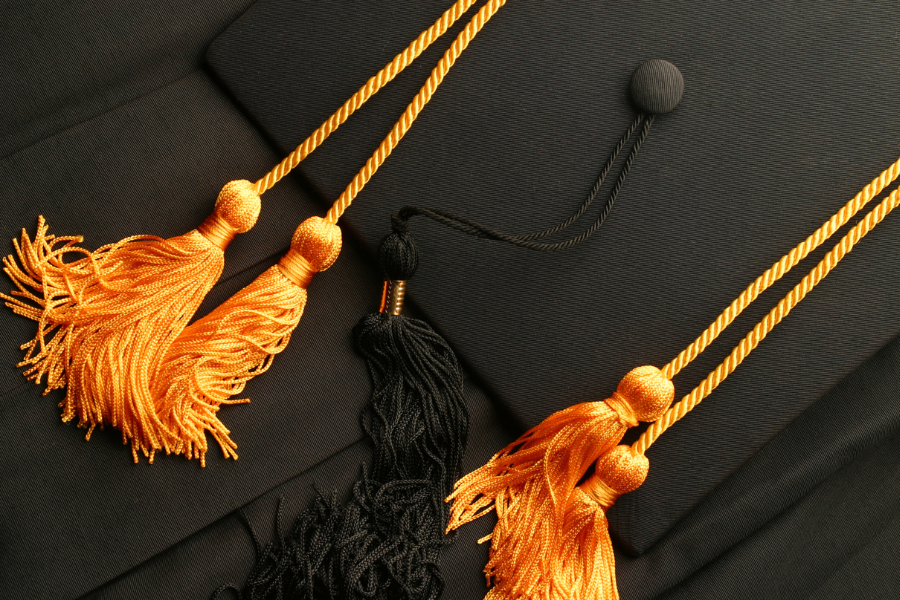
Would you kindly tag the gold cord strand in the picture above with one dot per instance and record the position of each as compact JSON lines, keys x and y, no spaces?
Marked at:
{"x":382,"y":78}
{"x":412,"y":111}
{"x":689,"y":402}
{"x":779,"y":269}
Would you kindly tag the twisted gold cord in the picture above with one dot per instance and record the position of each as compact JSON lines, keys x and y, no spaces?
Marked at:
{"x":779,"y":269}
{"x":385,"y":75}
{"x":412,"y":111}
{"x":676,"y":412}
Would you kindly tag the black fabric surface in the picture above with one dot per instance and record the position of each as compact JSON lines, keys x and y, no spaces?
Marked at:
{"x":834,"y":544}
{"x":789,"y":109}
{"x":63,"y":65}
{"x":109,"y":126}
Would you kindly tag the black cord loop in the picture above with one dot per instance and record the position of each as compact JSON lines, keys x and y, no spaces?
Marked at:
{"x":399,"y":221}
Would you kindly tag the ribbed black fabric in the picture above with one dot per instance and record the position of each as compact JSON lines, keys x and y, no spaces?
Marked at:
{"x":657,"y":86}
{"x":65,"y":67}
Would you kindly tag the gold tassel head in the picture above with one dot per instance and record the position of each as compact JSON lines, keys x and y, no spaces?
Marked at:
{"x":237,"y":208}
{"x":315,"y":246}
{"x":644,"y":394}
{"x":619,"y":471}
{"x":318,"y":241}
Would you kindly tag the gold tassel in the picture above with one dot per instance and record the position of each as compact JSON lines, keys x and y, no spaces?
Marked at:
{"x":552,"y":457}
{"x":570,"y":557}
{"x":213,"y":359}
{"x":106,"y":319}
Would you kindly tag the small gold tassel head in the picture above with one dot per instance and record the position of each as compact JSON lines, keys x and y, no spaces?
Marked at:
{"x":644,"y":394}
{"x":619,"y":471}
{"x":237,"y":209}
{"x":315,"y":246}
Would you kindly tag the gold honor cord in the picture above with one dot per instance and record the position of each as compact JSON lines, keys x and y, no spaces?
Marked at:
{"x":113,"y":323}
{"x":413,"y":110}
{"x":375,"y":83}
{"x":551,"y":488}
{"x":762,"y":329}
{"x":779,"y":269}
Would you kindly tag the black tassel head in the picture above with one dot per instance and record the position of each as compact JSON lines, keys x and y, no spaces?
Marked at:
{"x":398,"y":255}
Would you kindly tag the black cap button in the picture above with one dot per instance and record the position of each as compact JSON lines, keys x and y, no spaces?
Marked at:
{"x":657,"y":86}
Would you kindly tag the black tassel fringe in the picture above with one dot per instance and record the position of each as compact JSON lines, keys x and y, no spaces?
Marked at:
{"x":384,"y":543}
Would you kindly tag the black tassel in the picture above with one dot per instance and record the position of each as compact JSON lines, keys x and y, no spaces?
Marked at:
{"x":384,"y":543}
{"x":418,"y":423}
{"x":417,"y":417}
